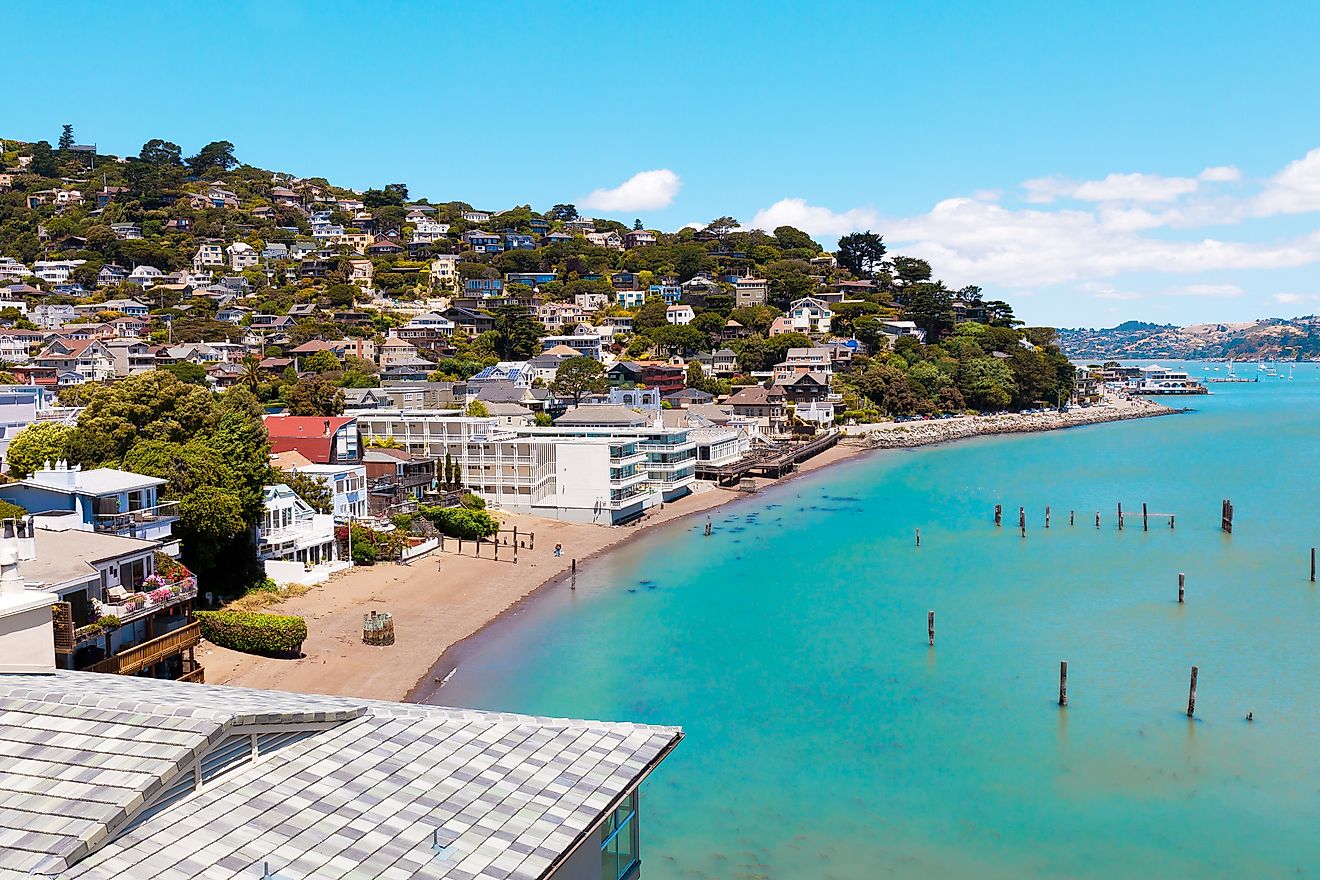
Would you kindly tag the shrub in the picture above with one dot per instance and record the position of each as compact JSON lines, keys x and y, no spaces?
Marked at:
{"x":253,"y":633}
{"x":472,"y":502}
{"x":458,"y":522}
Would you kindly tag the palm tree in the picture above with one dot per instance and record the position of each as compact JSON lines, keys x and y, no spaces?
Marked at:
{"x":251,"y":374}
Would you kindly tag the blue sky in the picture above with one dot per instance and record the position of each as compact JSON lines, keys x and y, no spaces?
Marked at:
{"x":1128,"y":160}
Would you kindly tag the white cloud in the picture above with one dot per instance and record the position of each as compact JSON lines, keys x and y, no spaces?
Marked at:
{"x":644,"y":191}
{"x":1221,"y":174}
{"x":1133,"y":187}
{"x":1292,"y":299}
{"x":973,"y":242}
{"x":1294,"y":190}
{"x":812,"y":219}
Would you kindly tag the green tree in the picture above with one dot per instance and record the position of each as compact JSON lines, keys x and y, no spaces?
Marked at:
{"x":35,"y":445}
{"x":209,"y":518}
{"x":986,"y":383}
{"x":861,"y":253}
{"x":215,"y":156}
{"x":517,"y":333}
{"x":477,"y":410}
{"x":159,"y":152}
{"x":563,"y":212}
{"x":187,"y":371}
{"x":911,"y":270}
{"x":652,"y":315}
{"x":542,"y":420}
{"x":43,"y":162}
{"x":66,"y":138}
{"x":577,"y":377}
{"x":152,"y":405}
{"x":314,"y":396}
{"x":321,"y":362}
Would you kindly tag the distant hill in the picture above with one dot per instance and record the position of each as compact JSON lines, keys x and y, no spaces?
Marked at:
{"x":1276,"y":339}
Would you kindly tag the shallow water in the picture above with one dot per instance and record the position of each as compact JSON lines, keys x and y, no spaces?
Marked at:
{"x":825,"y":739}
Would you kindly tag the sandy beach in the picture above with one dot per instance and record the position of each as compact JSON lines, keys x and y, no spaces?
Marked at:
{"x":443,"y":598}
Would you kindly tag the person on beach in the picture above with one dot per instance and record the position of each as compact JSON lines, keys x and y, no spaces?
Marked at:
{"x":559,"y":550}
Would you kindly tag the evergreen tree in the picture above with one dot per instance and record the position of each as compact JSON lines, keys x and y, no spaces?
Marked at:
{"x":66,"y":138}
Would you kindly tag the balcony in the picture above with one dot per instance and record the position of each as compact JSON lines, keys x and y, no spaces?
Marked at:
{"x":158,"y":595}
{"x":145,"y":516}
{"x":668,"y":447}
{"x":628,"y":480}
{"x":623,"y":460}
{"x":139,"y":657}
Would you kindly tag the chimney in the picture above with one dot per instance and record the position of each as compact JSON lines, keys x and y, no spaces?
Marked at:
{"x":27,"y":629}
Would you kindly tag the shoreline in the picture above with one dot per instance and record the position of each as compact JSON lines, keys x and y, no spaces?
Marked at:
{"x":442,"y":601}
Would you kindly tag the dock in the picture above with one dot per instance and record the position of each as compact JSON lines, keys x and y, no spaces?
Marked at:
{"x":772,"y":462}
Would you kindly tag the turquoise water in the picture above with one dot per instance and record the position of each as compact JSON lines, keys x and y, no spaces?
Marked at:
{"x":825,"y":739}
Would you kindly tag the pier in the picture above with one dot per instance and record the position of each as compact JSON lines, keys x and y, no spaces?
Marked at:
{"x":772,"y":462}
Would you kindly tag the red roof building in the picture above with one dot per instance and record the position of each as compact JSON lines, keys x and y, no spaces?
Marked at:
{"x":321,"y":439}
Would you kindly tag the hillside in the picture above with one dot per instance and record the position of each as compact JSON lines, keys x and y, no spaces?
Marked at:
{"x":1273,"y":339}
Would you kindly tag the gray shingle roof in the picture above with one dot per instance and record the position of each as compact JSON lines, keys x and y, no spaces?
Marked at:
{"x":360,"y":796}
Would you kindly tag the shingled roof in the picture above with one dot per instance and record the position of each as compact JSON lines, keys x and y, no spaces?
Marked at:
{"x":101,"y":780}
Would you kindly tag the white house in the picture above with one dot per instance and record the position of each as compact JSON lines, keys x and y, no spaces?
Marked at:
{"x":810,"y":315}
{"x":291,"y":530}
{"x":680,"y":314}
{"x":242,"y":256}
{"x":210,"y":253}
{"x":55,"y":271}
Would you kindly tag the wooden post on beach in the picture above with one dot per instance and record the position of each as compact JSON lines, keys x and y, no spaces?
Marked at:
{"x":1022,"y":520}
{"x":497,"y":548}
{"x":460,"y":546}
{"x":1047,"y":516}
{"x":515,"y":540}
{"x":1191,"y":696}
{"x":930,"y":626}
{"x":1120,"y":516}
{"x":999,"y":514}
{"x":1063,"y":682}
{"x":574,"y":568}
{"x":1312,"y":565}
{"x":1182,"y":586}
{"x":1145,"y":521}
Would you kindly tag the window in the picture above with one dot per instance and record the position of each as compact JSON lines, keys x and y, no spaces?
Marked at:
{"x":619,"y":838}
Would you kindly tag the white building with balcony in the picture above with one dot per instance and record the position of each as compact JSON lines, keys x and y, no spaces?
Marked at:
{"x":347,"y":484}
{"x":586,"y":475}
{"x":99,"y":500}
{"x":291,"y":531}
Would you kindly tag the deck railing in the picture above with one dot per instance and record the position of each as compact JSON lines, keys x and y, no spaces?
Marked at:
{"x":114,"y":522}
{"x":151,"y":652}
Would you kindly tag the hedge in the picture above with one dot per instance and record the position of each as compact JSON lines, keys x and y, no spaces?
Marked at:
{"x":253,"y":633}
{"x":458,"y":522}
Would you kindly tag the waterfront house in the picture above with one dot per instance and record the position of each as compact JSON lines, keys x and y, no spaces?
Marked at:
{"x":767,"y":407}
{"x":291,"y":531}
{"x":112,"y":604}
{"x":104,"y":500}
{"x":397,"y":478}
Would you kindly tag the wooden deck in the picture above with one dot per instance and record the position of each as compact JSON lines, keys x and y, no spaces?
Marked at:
{"x":769,"y":462}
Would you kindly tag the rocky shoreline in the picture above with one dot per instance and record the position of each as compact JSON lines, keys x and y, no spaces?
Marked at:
{"x":923,"y":433}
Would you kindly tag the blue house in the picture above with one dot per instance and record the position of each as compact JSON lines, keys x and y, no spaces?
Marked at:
{"x":483,"y":242}
{"x":531,"y":279}
{"x":100,"y":500}
{"x":670,"y":293}
{"x":624,"y":280}
{"x":519,"y":241}
{"x":483,"y":287}
{"x":540,"y":227}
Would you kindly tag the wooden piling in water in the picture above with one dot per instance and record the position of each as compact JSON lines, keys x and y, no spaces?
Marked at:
{"x":1226,"y":516}
{"x":1170,"y":521}
{"x":1047,"y":516}
{"x":1022,"y":520}
{"x":1191,"y":696}
{"x":930,"y":626}
{"x":999,"y":514}
{"x":1145,"y":518}
{"x":1312,"y":565}
{"x":708,"y":526}
{"x":574,"y":568}
{"x":1097,"y":519}
{"x":1120,"y":516}
{"x":1072,"y":517}
{"x":1063,"y":682}
{"x":918,"y":537}
{"x":1182,"y":586}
